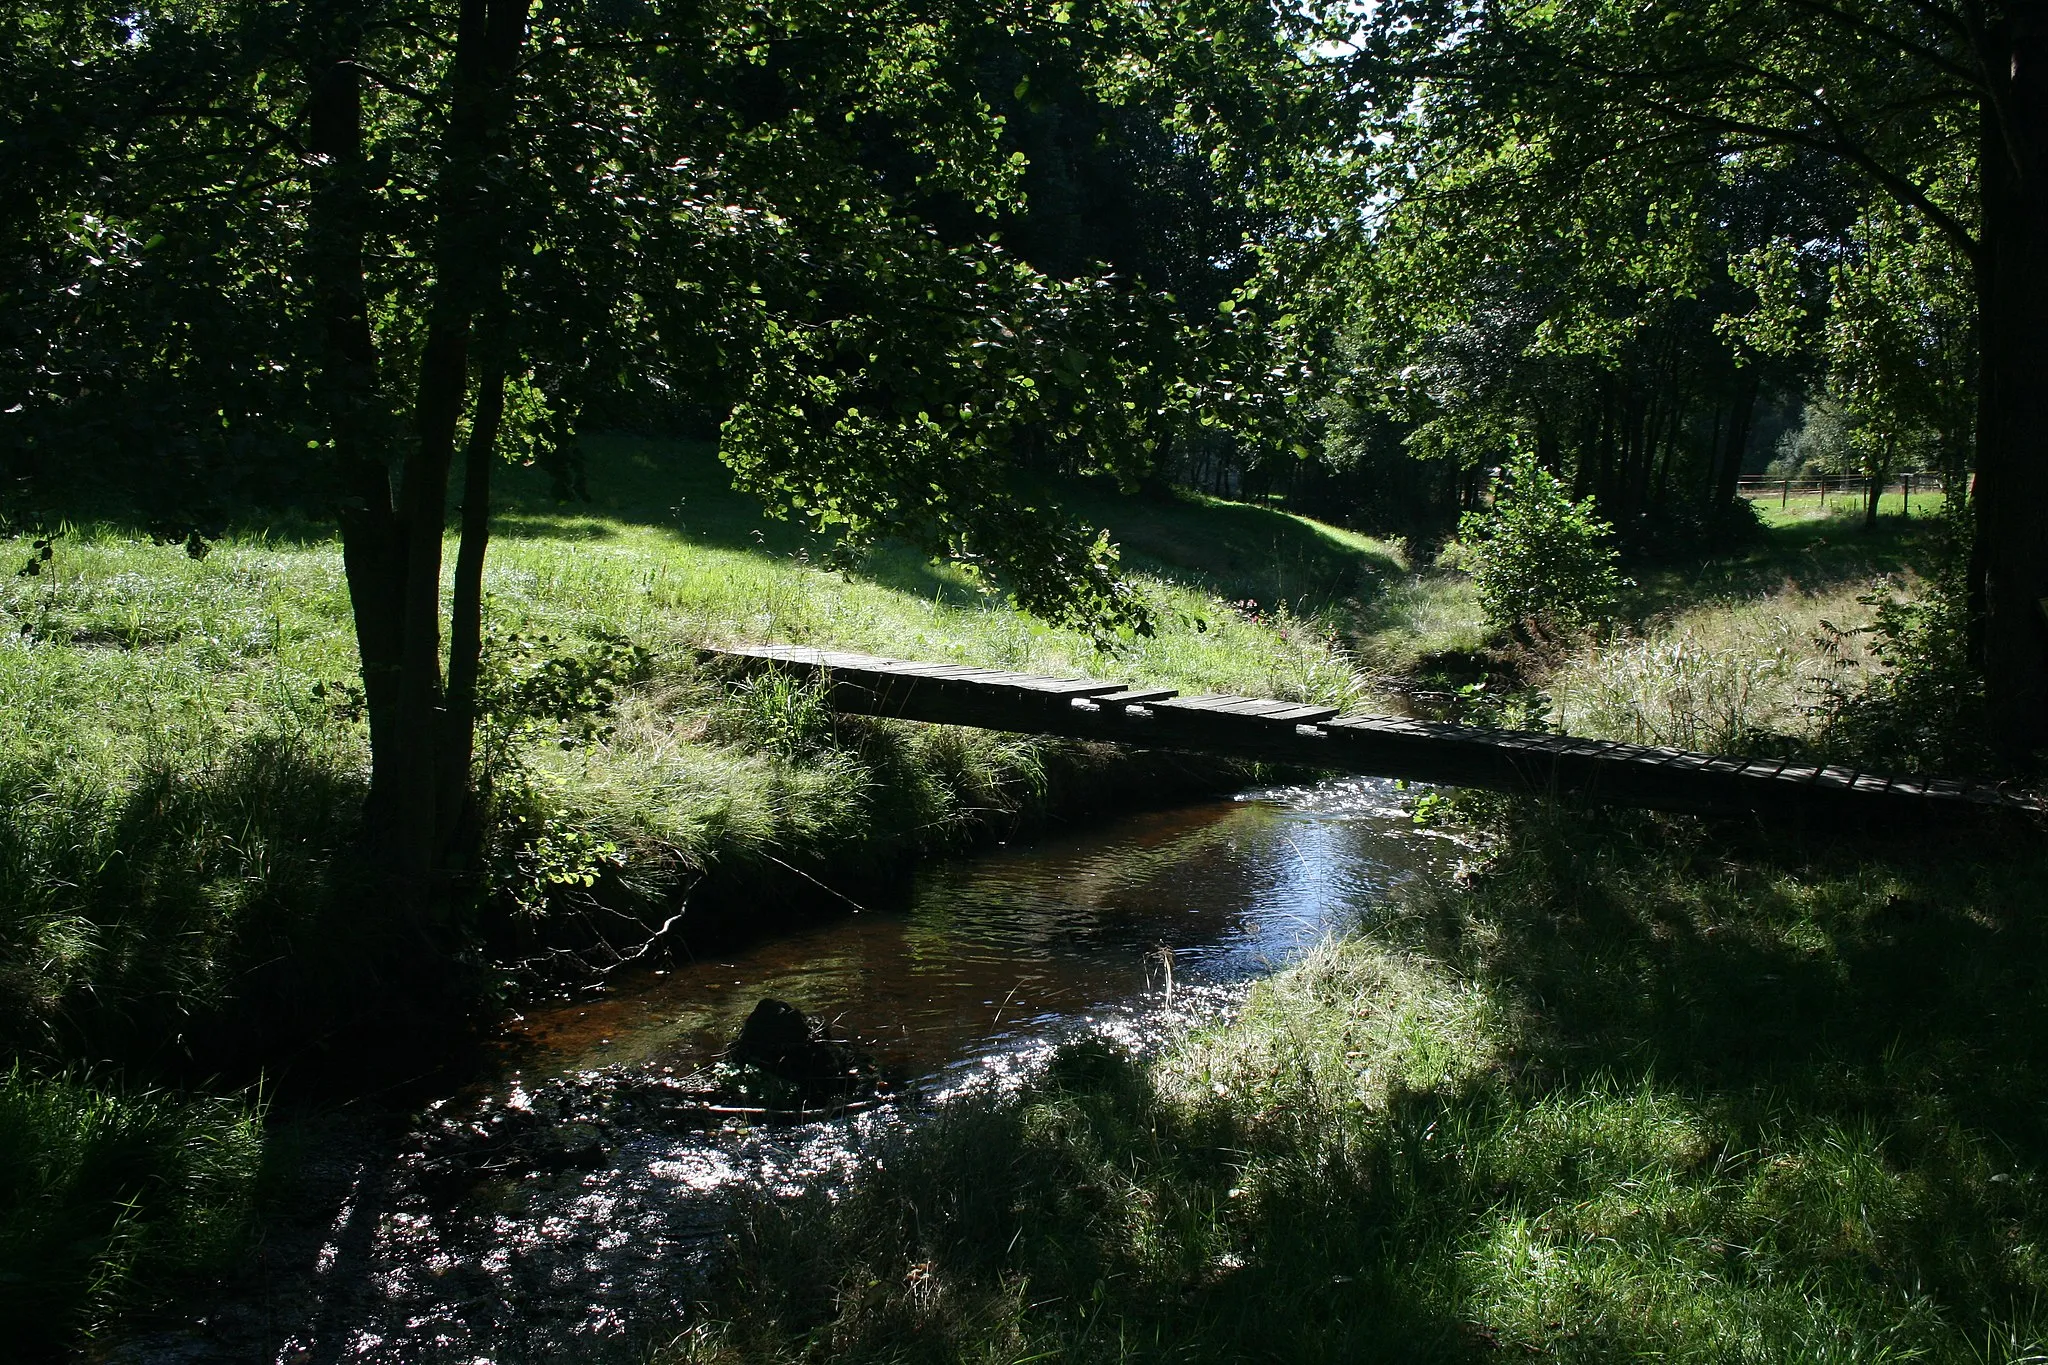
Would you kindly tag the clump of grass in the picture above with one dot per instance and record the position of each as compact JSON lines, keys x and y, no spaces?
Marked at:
{"x":1719,"y":679}
{"x":109,"y":1198}
{"x":1417,"y":616}
{"x":1624,"y":1094}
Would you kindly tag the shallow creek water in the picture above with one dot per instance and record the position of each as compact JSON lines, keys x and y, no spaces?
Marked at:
{"x":993,"y":961}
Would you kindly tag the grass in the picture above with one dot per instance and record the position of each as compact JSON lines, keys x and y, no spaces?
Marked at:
{"x":1736,"y":653}
{"x":181,"y":763}
{"x":1809,"y":506}
{"x":1627,"y":1095}
{"x":108,"y":1198}
{"x":1717,"y":678}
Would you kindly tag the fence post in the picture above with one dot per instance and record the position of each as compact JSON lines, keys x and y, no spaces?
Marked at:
{"x":1785,"y":496}
{"x":1906,"y":496}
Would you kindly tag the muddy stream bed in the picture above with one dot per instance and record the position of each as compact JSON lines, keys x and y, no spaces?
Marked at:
{"x":559,"y":1209}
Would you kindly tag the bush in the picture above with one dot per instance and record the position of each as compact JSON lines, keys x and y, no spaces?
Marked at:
{"x":1540,"y":559}
{"x":1923,"y":708}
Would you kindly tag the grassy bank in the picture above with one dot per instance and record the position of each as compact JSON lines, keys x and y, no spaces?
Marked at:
{"x":1631,"y":1094}
{"x":182,"y":757}
{"x":1636,"y":1088}
{"x":112,"y":1198}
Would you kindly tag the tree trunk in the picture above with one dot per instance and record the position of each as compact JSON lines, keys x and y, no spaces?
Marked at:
{"x":468,"y":261}
{"x":391,"y":545}
{"x":348,"y":381}
{"x":458,"y":815}
{"x":2012,"y":423}
{"x":1742,"y":416}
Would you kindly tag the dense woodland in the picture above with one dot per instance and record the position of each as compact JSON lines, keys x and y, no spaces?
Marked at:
{"x":993,"y":295}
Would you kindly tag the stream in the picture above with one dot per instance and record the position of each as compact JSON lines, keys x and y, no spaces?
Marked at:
{"x":593,"y":1236}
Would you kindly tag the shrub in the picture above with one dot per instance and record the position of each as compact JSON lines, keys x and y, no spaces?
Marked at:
{"x":1923,"y":707}
{"x":1539,"y":558}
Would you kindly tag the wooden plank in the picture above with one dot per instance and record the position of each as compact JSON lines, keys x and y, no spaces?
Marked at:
{"x":1295,"y":712}
{"x":1132,"y":696}
{"x":1202,"y":701}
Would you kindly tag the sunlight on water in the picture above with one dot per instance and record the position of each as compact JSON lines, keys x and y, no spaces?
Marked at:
{"x":992,"y":964}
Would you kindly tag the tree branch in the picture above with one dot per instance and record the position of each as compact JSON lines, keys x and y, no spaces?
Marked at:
{"x":1898,"y":186}
{"x":1869,"y":28}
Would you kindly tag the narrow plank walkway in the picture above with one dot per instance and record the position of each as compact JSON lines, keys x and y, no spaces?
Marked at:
{"x":1423,"y":751}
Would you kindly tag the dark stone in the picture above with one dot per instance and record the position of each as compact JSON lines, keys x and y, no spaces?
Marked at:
{"x":777,"y":1037}
{"x":787,"y":1044}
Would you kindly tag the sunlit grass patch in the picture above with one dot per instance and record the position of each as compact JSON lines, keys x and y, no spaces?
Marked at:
{"x":1350,"y":1024}
{"x":1806,"y":505}
{"x":1720,"y":679}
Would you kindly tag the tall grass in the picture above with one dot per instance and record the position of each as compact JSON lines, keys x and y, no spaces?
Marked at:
{"x":1720,"y":679}
{"x":108,"y":1198}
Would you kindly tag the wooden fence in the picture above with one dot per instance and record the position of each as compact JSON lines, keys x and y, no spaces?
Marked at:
{"x":1825,"y":488}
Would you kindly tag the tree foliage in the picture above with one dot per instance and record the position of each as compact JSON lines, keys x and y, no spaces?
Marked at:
{"x":906,"y":257}
{"x":1689,"y":195}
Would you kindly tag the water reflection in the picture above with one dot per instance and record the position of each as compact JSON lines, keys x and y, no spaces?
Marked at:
{"x":991,"y":951}
{"x":992,"y":962}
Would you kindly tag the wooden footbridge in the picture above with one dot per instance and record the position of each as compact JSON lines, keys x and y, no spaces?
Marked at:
{"x":1424,"y":751}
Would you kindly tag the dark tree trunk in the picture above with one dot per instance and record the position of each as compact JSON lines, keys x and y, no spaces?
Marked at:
{"x":458,"y":815}
{"x":1606,"y":482}
{"x":1742,"y":414}
{"x":469,"y":259}
{"x":1713,"y":461}
{"x":2012,"y":422}
{"x":1586,"y":465}
{"x":391,"y":545}
{"x":348,"y":381}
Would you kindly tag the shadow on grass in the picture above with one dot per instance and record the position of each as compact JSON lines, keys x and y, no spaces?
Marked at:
{"x":1749,"y":1098}
{"x":1086,"y":1219}
{"x":1813,"y":555}
{"x":1241,"y":552}
{"x":210,"y":922}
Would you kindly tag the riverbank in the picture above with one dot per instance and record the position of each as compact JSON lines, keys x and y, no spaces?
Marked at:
{"x":1637,"y":1087}
{"x":184,"y":757}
